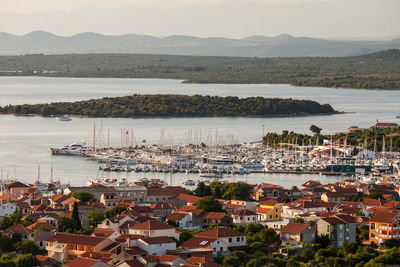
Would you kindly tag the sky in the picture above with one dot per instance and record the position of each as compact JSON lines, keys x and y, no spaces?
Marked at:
{"x":205,"y":18}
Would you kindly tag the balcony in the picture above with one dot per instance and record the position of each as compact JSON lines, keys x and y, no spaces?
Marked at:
{"x":59,"y":248}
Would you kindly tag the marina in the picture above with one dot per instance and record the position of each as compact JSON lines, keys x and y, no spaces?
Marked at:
{"x":32,"y":136}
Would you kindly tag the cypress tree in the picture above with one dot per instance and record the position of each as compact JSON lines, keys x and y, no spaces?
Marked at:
{"x":75,"y":216}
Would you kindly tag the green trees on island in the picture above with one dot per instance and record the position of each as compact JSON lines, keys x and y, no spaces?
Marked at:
{"x":175,"y":106}
{"x":374,"y":71}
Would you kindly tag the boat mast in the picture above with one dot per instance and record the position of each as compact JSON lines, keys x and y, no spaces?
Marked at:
{"x":51,"y":174}
{"x":94,"y":138}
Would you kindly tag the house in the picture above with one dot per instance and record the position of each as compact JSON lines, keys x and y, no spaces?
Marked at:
{"x":339,"y":228}
{"x":15,"y":190}
{"x":153,"y":228}
{"x":115,"y":223}
{"x":183,"y":199}
{"x":135,"y":193}
{"x":183,"y":220}
{"x":269,"y":211}
{"x":250,"y":205}
{"x":41,"y":237}
{"x":41,"y":224}
{"x":64,"y":247}
{"x":107,"y":233}
{"x":217,"y":218}
{"x":156,"y":245}
{"x":220,"y":240}
{"x":18,"y":232}
{"x":244,"y":217}
{"x":383,"y":125}
{"x":334,"y":197}
{"x":161,"y":210}
{"x":97,"y":190}
{"x":298,"y":232}
{"x":196,"y":214}
{"x":109,"y":200}
{"x":384,"y":226}
{"x":7,"y":208}
{"x":271,"y":191}
{"x":161,"y":194}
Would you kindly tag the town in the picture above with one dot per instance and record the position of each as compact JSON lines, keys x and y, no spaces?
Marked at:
{"x":229,"y":224}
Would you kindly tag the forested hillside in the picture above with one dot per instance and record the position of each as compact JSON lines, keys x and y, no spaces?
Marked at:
{"x":374,"y":71}
{"x":175,"y":106}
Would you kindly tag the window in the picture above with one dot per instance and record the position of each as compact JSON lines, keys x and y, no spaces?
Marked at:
{"x":221,"y":249}
{"x":230,"y":240}
{"x":238,"y":239}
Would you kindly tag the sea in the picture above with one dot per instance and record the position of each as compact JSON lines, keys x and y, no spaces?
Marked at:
{"x":25,"y":141}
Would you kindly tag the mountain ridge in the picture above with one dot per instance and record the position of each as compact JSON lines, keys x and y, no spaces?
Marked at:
{"x":283,"y":45}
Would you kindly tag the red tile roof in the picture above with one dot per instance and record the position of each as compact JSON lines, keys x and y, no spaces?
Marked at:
{"x":244,"y":212}
{"x":177,"y":216}
{"x":39,"y":224}
{"x":152,"y":225}
{"x":196,"y":260}
{"x":15,"y":185}
{"x":76,"y":239}
{"x":167,"y":257}
{"x":263,"y":210}
{"x":296,"y":228}
{"x":220,"y":232}
{"x":189,"y":198}
{"x":103,"y":232}
{"x":215,"y":215}
{"x":17,"y":229}
{"x":81,"y":262}
{"x":198,"y":242}
{"x":157,"y":240}
{"x":384,"y":217}
{"x":134,"y":263}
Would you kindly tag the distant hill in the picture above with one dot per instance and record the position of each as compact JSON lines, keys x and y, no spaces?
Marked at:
{"x":283,"y":45}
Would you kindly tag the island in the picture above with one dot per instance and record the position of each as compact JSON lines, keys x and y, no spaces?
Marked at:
{"x":167,"y":105}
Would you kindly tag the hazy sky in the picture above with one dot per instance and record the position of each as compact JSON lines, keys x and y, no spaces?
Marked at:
{"x":227,"y":18}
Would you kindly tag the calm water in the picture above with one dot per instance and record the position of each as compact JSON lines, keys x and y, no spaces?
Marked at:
{"x":25,"y":141}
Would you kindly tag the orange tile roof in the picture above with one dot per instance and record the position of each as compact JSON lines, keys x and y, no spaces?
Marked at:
{"x":157,"y":240}
{"x":103,"y":232}
{"x":152,"y":225}
{"x":81,"y":262}
{"x":196,"y":260}
{"x":76,"y":239}
{"x":263,"y":210}
{"x":215,"y":215}
{"x":244,"y":212}
{"x":296,"y":228}
{"x":220,"y":232}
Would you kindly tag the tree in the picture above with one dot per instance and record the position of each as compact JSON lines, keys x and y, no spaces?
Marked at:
{"x":66,"y":224}
{"x":375,"y":195}
{"x":28,"y":247}
{"x":323,"y":240}
{"x":231,"y":261}
{"x":7,"y":261}
{"x":315,"y":129}
{"x":96,"y":217}
{"x":184,"y":236}
{"x":364,"y":232}
{"x":27,"y":260}
{"x":83,"y":195}
{"x":75,"y":216}
{"x":115,"y":211}
{"x":299,"y":220}
{"x":6,"y":244}
{"x":209,"y":203}
{"x":202,"y":190}
{"x":238,"y":191}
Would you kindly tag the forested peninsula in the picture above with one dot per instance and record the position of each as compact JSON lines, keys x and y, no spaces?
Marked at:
{"x":175,"y":106}
{"x":379,"y":70}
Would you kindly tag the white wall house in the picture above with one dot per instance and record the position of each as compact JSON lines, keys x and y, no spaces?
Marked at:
{"x":7,"y":208}
{"x":156,"y":245}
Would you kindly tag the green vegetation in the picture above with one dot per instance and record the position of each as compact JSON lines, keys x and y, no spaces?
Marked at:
{"x":115,"y":211}
{"x":209,"y":203}
{"x":236,"y":191}
{"x":83,"y":195}
{"x":176,"y":106}
{"x":366,"y":138}
{"x":375,"y":71}
{"x":95,"y":218}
